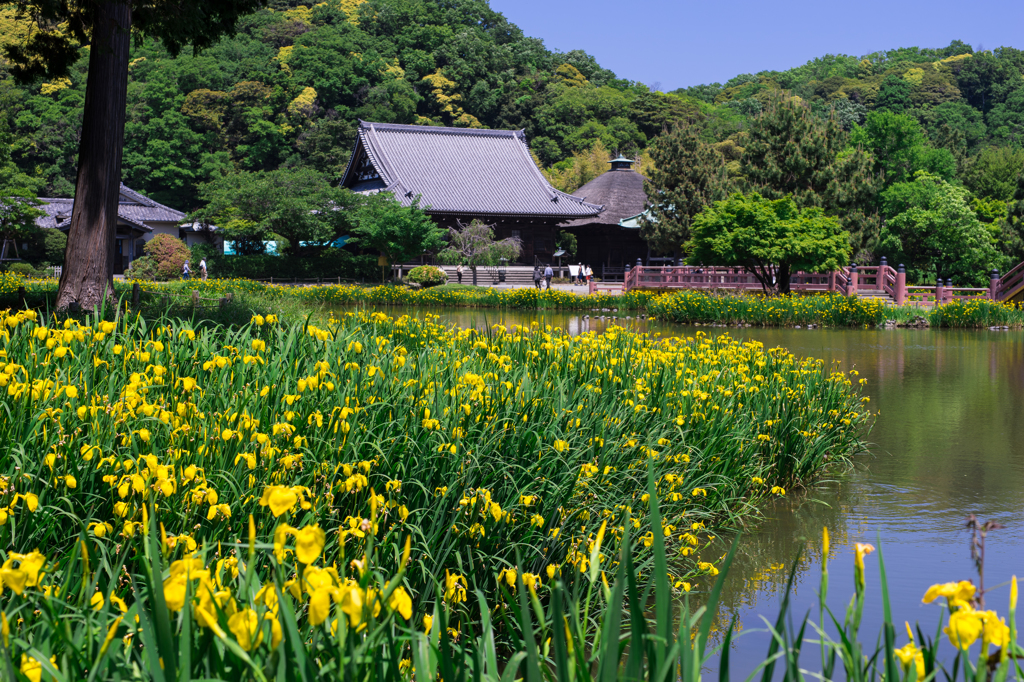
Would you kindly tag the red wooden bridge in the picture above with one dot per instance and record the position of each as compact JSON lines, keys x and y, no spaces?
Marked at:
{"x":869,"y":281}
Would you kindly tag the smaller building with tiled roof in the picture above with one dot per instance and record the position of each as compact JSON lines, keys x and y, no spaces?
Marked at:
{"x":462,"y":174}
{"x":139,"y":219}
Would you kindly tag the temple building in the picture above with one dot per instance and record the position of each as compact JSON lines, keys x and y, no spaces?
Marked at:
{"x":139,"y":219}
{"x":612,"y":237}
{"x":462,"y":174}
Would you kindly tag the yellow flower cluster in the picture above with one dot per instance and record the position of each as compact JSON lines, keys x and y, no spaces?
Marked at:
{"x":370,"y":427}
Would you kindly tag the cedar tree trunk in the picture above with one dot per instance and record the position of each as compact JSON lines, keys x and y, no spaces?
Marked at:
{"x":88,"y":275}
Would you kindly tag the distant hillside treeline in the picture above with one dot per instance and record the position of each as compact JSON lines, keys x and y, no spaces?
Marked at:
{"x":288,"y":88}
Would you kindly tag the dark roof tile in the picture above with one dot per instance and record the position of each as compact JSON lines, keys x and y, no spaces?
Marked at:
{"x":462,"y":171}
{"x":133,"y":208}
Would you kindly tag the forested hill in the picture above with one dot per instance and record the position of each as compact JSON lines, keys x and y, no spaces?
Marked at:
{"x":288,"y":88}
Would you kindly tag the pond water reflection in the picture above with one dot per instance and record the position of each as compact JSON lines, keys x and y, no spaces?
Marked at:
{"x":948,"y":441}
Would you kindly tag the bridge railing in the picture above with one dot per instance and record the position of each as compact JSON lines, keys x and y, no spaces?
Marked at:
{"x":921,"y":296}
{"x":1010,"y":284}
{"x":696,"y":277}
{"x":847,"y":281}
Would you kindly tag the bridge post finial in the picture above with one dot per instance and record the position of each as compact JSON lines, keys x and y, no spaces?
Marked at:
{"x":901,"y":285}
{"x":993,"y":285}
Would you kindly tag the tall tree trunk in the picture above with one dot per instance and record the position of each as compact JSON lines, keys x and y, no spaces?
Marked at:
{"x":782,"y":277}
{"x":88,"y":275}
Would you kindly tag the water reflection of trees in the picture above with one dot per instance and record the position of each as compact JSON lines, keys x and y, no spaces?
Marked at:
{"x":768,"y":549}
{"x":945,"y":441}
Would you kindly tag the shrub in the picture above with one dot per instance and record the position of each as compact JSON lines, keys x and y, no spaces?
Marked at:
{"x":142,"y":268}
{"x":169,"y":255}
{"x":428,"y":275}
{"x":55,"y":243}
{"x":22,"y":269}
{"x":329,"y":264}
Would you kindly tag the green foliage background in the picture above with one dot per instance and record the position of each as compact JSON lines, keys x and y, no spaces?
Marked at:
{"x":286,"y":91}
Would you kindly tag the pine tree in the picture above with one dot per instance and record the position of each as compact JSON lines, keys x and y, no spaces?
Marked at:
{"x":688,"y":175}
{"x":1013,"y":226}
{"x":792,"y":152}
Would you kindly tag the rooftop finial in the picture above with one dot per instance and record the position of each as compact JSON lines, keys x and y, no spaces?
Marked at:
{"x":621,"y":163}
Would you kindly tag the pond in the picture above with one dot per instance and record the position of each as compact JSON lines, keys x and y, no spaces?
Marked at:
{"x":948,"y":441}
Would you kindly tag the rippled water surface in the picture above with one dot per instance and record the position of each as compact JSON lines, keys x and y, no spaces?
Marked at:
{"x":948,"y":441}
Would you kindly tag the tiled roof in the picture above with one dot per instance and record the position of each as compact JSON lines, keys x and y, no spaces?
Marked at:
{"x":133,"y":208}
{"x":460,"y":171}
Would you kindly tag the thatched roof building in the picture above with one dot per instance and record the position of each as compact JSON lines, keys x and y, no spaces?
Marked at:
{"x":603,"y":238}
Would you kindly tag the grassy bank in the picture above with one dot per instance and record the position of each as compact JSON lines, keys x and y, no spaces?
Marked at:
{"x":447,"y":296}
{"x":486,"y":451}
{"x":683,"y":307}
{"x":826,"y":310}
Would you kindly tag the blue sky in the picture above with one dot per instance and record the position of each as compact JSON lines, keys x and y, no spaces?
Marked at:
{"x":683,"y":43}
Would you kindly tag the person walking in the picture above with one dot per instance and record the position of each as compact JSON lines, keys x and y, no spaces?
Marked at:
{"x":548,"y":274}
{"x":536,"y":276}
{"x":578,"y":280}
{"x":458,"y":273}
{"x":202,"y":269}
{"x":186,"y":272}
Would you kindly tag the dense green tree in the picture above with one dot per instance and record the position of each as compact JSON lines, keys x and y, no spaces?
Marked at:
{"x":299,"y":205}
{"x":18,"y":203}
{"x":900,"y":147}
{"x":1012,"y":237}
{"x":688,"y":176}
{"x":849,"y":113}
{"x":106,"y":26}
{"x":986,"y":80}
{"x":894,"y":94}
{"x":791,"y":152}
{"x":704,"y":93}
{"x":956,"y":116}
{"x":771,"y":239}
{"x":398,"y":233}
{"x":994,"y":173}
{"x":931,"y":227}
{"x":1006,"y":119}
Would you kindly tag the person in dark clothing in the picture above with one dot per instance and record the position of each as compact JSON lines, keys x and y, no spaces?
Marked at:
{"x":548,"y":274}
{"x":536,"y":277}
{"x":458,"y":271}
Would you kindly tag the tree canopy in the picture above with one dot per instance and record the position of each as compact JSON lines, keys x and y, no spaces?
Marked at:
{"x":474,"y":245}
{"x":933,"y":229}
{"x":286,"y":89}
{"x":298,"y":204}
{"x":688,"y":175}
{"x":398,"y":233}
{"x":771,"y":239}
